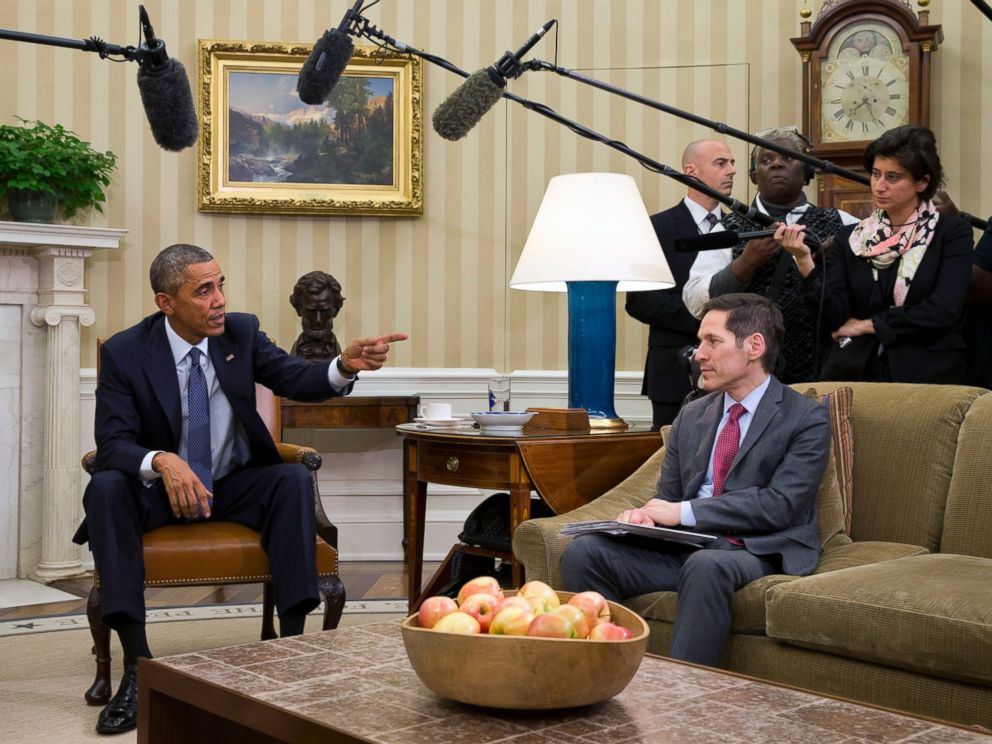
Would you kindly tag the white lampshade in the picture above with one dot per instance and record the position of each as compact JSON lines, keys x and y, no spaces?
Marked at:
{"x":592,"y":227}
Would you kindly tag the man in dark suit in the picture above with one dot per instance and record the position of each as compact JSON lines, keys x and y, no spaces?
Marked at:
{"x":672,"y":325}
{"x":745,"y":463}
{"x":178,"y":439}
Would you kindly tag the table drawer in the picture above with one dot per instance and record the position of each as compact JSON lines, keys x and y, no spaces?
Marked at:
{"x":465,"y":466}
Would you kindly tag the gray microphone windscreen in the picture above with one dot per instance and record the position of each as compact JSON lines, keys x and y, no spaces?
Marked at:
{"x":168,"y":103}
{"x":323,"y":68}
{"x":467,"y":104}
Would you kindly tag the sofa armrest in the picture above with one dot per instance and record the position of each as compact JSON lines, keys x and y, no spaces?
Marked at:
{"x":536,"y":543}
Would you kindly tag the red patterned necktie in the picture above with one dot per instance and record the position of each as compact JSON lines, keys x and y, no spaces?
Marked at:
{"x":727,"y":445}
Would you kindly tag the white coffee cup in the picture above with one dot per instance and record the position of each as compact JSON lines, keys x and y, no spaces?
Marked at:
{"x":435,"y":411}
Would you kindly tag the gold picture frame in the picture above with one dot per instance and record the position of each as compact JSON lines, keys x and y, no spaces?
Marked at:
{"x":263,"y":150}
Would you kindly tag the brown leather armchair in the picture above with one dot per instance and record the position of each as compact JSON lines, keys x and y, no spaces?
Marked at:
{"x":204,"y":553}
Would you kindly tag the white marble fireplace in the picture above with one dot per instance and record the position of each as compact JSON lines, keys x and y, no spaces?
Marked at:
{"x":42,"y":308}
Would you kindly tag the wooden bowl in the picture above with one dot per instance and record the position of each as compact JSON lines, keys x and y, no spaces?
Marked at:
{"x":525,"y":673}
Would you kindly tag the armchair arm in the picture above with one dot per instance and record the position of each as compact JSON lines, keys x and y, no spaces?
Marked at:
{"x":294,"y":453}
{"x":89,"y":462}
{"x":311,"y":460}
{"x":536,"y":543}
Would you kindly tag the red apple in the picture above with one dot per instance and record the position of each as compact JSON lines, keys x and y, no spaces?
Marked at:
{"x":609,"y":632}
{"x":458,"y":622}
{"x":551,"y":626}
{"x":479,"y":585}
{"x":512,"y":620}
{"x":514,"y":600}
{"x":595,"y":607}
{"x":433,"y":609}
{"x":577,"y":618}
{"x":482,"y":607}
{"x":542,"y":597}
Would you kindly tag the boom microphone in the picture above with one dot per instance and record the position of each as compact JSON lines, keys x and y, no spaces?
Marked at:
{"x":470,"y":101}
{"x":467,"y":104}
{"x":165,"y":92}
{"x":714,"y":241}
{"x":330,"y":55}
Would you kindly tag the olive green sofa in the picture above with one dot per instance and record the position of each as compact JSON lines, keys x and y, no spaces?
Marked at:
{"x":899,"y":610}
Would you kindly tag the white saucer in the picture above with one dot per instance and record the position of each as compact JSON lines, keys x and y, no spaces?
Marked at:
{"x":438,"y":422}
{"x":501,"y":429}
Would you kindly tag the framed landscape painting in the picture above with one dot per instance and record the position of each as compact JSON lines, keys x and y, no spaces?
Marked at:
{"x":263,"y":150}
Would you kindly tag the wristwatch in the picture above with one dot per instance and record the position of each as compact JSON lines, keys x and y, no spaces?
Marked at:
{"x":344,"y":371}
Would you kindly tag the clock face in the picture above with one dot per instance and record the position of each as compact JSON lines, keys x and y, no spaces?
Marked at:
{"x":864,"y":84}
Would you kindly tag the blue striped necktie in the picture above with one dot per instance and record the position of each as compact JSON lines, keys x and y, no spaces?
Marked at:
{"x":198,"y":422}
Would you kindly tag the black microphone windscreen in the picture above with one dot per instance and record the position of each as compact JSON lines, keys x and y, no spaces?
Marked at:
{"x":467,"y":104}
{"x":323,"y":68}
{"x":707,"y":242}
{"x":168,"y":103}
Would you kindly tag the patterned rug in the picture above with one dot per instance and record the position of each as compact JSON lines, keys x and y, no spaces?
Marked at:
{"x":43,"y":675}
{"x":207,"y":612}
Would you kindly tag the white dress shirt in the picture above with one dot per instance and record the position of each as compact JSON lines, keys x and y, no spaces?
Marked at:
{"x":699,"y":214}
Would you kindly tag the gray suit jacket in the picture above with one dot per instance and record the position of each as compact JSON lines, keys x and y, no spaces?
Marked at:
{"x":769,"y":497}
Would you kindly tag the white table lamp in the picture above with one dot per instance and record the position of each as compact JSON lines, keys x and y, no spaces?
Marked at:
{"x":592,"y":237}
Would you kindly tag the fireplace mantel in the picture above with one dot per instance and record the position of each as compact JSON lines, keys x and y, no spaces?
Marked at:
{"x":42,"y":307}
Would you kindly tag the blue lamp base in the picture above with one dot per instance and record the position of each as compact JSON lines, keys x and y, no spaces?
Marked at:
{"x":592,"y":350}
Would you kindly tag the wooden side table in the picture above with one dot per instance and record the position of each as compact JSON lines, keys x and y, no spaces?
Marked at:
{"x":566,"y":469}
{"x":349,"y":412}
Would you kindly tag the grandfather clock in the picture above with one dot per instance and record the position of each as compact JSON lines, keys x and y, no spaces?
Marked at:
{"x":866,"y":69}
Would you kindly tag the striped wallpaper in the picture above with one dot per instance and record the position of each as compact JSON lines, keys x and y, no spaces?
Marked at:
{"x":442,"y":276}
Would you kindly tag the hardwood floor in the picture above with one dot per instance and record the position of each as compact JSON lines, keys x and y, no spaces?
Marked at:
{"x":362,"y":580}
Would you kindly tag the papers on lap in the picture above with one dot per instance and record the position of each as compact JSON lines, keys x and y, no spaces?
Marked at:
{"x":611,"y":527}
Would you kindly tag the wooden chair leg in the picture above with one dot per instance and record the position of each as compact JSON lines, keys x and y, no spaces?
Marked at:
{"x":99,"y":692}
{"x":331,"y":588}
{"x":268,"y":612}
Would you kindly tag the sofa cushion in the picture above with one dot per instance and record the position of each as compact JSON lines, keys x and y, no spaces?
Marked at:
{"x":930,"y":614}
{"x":830,"y":507}
{"x":968,"y":517}
{"x":850,"y":554}
{"x":838,"y":404}
{"x":899,"y":494}
{"x":747,"y":613}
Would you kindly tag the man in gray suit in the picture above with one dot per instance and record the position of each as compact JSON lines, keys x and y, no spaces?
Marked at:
{"x":743,"y":462}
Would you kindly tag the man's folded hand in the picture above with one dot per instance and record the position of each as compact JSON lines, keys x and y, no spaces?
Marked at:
{"x":187,"y":496}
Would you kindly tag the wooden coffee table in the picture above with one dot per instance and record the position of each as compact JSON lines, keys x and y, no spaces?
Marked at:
{"x":356,"y":685}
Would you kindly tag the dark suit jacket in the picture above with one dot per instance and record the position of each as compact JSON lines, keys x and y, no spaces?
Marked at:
{"x":769,"y":497}
{"x":137,"y":397}
{"x":672,"y":325}
{"x":922,"y":337}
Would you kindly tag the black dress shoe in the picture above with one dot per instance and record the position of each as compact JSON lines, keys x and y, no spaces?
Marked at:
{"x":121,"y":713}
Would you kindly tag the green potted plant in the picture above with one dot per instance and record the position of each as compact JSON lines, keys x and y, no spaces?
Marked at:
{"x":45,"y":167}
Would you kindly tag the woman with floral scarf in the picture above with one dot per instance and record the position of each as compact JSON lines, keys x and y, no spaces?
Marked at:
{"x":896,"y":281}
